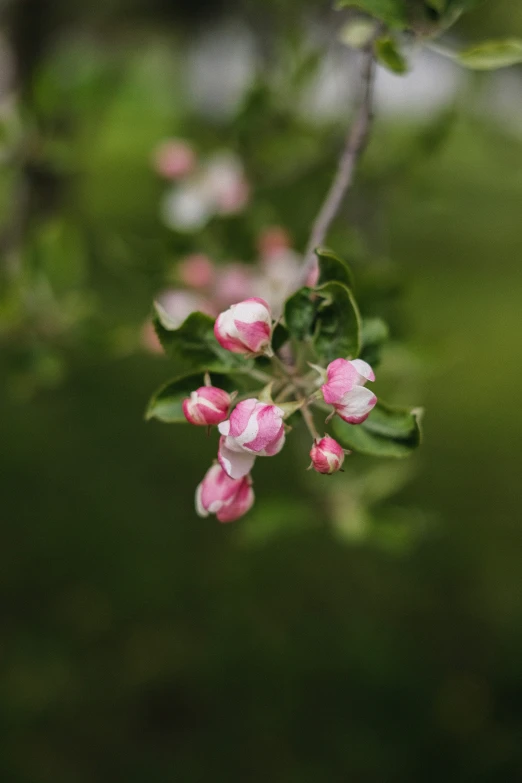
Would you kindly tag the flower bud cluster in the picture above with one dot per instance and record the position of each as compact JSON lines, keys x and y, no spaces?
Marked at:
{"x":255,"y":427}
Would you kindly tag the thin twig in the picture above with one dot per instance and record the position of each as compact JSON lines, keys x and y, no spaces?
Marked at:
{"x":354,"y":147}
{"x":309,"y":421}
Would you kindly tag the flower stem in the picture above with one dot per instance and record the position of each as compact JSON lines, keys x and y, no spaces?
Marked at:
{"x":309,"y":421}
{"x":355,"y":144}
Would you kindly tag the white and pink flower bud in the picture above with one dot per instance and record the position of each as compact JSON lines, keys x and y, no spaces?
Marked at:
{"x":327,"y":455}
{"x":223,"y":496}
{"x":225,"y":182}
{"x":255,"y":429}
{"x":345,"y":389}
{"x":174,"y":159}
{"x":245,"y":327}
{"x":272,"y":241}
{"x":197,"y":271}
{"x":206,"y":406}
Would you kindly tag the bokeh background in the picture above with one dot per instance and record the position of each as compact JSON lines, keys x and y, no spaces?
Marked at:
{"x":370,"y":631}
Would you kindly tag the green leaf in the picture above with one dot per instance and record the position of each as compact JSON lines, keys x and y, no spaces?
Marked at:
{"x":388,"y":54}
{"x":391,"y":12}
{"x":193,"y":347}
{"x":165,"y":404}
{"x":333,"y":268}
{"x":374,"y":335}
{"x":437,"y":5}
{"x":387,"y":432}
{"x":491,"y":55}
{"x":328,"y":315}
{"x":280,"y":336}
{"x":337,"y":331}
{"x":357,"y":33}
{"x":300,"y":314}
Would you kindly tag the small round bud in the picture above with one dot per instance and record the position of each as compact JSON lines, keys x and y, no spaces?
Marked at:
{"x":327,"y":455}
{"x":255,"y":429}
{"x":223,"y":496}
{"x":245,"y":327}
{"x":197,"y":271}
{"x":206,"y":406}
{"x":174,"y":158}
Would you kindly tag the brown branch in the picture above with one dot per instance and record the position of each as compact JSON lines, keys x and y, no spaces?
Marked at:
{"x":355,"y":144}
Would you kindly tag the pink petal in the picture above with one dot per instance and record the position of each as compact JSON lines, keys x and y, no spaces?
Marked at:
{"x":268,"y":427}
{"x":241,"y":503}
{"x":253,"y":335}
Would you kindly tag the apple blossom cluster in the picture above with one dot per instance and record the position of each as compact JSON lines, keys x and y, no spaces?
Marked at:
{"x":201,"y":188}
{"x":255,"y":426}
{"x":210,"y":288}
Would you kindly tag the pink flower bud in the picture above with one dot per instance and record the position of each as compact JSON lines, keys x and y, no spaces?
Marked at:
{"x":245,"y":327}
{"x":312,"y":277}
{"x":234,"y":283}
{"x":174,"y":159}
{"x":255,"y":429}
{"x":345,"y":389}
{"x":207,"y":405}
{"x":327,"y":455}
{"x":196,"y":271}
{"x":272,"y":241}
{"x":225,"y":183}
{"x":223,"y":496}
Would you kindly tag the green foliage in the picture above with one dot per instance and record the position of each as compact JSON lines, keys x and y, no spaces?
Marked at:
{"x":389,"y":55}
{"x":300,"y":311}
{"x":165,"y":404}
{"x":387,"y":432}
{"x":193,"y":347}
{"x":491,"y":55}
{"x":391,"y":12}
{"x":328,"y":316}
{"x":425,"y":17}
{"x":333,"y":268}
{"x":338,"y":328}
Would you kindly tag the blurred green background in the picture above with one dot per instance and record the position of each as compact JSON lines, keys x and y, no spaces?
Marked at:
{"x":316,"y":640}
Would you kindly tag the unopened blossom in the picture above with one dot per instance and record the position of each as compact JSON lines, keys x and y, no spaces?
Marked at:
{"x":224,"y":496}
{"x":174,"y":159}
{"x":196,"y":271}
{"x":225,"y":183}
{"x":345,"y":389}
{"x":255,"y":429}
{"x":234,"y":283}
{"x":327,"y":455}
{"x":272,"y":241}
{"x":245,"y":327}
{"x":206,"y":406}
{"x":187,"y":207}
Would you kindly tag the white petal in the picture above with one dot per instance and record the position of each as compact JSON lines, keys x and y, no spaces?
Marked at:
{"x":235,"y":463}
{"x":224,"y":427}
{"x":356,"y":403}
{"x":365,"y":371}
{"x":200,"y":510}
